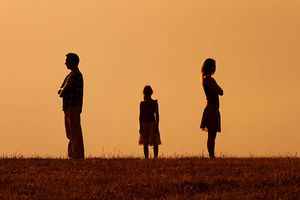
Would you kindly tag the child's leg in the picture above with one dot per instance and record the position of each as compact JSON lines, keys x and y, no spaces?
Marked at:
{"x":155,"y":149}
{"x":146,"y":151}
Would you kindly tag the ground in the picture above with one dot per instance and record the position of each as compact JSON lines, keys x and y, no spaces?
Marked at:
{"x":164,"y":178}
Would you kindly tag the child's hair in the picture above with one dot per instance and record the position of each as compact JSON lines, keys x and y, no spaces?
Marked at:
{"x":208,"y":67}
{"x":147,"y":91}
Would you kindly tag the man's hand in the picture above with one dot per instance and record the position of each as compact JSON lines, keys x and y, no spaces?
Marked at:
{"x":59,"y":91}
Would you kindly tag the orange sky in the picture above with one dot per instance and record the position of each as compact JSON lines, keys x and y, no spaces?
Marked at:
{"x":124,"y":45}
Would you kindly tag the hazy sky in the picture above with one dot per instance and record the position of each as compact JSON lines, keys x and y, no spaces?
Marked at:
{"x":124,"y":45}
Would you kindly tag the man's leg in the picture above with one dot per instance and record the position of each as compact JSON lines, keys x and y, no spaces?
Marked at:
{"x":69,"y":135}
{"x":77,"y":138}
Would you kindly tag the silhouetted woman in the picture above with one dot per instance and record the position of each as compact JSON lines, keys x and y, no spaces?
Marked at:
{"x":149,"y":119}
{"x":211,"y":119}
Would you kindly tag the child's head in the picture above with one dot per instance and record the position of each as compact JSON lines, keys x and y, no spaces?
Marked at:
{"x":208,"y":67}
{"x":147,"y":92}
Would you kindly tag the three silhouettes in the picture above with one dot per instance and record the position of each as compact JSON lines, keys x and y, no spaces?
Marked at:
{"x":71,"y":91}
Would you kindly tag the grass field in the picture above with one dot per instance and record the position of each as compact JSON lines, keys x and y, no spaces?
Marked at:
{"x":165,"y":178}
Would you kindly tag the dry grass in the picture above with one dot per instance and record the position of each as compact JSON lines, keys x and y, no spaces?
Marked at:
{"x":166,"y":178}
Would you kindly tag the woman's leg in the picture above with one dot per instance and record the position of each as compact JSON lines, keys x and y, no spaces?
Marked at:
{"x":155,"y":149}
{"x":211,"y":143}
{"x":146,"y":151}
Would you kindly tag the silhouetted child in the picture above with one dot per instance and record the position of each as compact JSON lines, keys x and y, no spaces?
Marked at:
{"x":211,"y":119}
{"x":149,"y":119}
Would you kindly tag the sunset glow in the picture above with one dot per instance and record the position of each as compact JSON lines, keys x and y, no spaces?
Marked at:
{"x":125,"y":45}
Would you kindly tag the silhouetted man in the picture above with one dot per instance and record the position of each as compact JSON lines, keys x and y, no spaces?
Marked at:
{"x":72,"y":93}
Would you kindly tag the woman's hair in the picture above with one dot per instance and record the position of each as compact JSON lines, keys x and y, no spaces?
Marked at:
{"x":147,"y":91}
{"x":208,"y":67}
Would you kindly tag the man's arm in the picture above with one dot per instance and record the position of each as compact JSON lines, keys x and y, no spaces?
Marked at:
{"x":67,"y":86}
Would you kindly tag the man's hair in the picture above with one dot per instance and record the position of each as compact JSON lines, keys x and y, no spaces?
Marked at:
{"x":73,"y":58}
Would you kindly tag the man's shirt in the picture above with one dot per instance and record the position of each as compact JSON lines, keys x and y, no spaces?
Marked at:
{"x":72,"y":90}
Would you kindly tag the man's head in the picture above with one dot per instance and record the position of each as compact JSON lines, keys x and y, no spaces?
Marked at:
{"x":72,"y":61}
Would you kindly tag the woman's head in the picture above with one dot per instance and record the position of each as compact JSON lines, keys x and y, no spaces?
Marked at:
{"x":147,"y":92}
{"x":208,"y":67}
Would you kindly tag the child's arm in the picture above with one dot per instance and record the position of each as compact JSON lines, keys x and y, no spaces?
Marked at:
{"x":157,"y":113}
{"x":140,"y":119}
